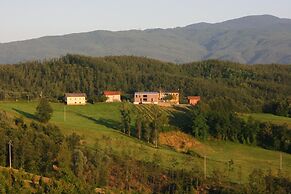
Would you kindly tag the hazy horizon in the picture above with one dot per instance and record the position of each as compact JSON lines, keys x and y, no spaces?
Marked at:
{"x":34,"y":18}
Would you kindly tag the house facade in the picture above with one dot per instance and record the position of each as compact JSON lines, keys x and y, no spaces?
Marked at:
{"x":146,"y":98}
{"x":112,"y":96}
{"x":169,"y":97}
{"x":75,"y":98}
{"x":193,"y":100}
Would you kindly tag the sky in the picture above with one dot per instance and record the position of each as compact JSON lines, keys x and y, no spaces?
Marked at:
{"x":26,"y":19}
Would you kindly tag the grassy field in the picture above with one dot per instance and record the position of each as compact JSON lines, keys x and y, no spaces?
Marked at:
{"x":268,"y":118}
{"x":101,"y":122}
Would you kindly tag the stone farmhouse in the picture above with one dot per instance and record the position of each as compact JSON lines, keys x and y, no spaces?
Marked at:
{"x":146,"y":98}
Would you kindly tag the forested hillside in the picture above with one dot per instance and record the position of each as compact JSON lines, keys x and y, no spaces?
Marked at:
{"x":226,"y":84}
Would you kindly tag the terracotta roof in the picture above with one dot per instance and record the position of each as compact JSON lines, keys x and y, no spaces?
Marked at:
{"x":75,"y":95}
{"x":108,"y":93}
{"x":194,"y":97}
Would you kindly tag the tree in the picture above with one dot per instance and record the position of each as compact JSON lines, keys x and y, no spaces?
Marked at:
{"x":125,"y":118}
{"x":73,"y":141}
{"x":199,"y":125}
{"x":146,"y":129}
{"x":78,"y":163}
{"x":138,"y":125}
{"x":257,"y":182}
{"x":44,"y":111}
{"x":168,"y":97}
{"x":160,"y":119}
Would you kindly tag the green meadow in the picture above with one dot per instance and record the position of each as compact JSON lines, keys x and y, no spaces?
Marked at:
{"x":99,"y":124}
{"x":268,"y":118}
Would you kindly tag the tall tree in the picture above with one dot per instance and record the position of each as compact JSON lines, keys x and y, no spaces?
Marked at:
{"x":138,"y":125}
{"x":160,"y":119}
{"x":146,"y":129}
{"x":125,"y":118}
{"x":199,"y":125}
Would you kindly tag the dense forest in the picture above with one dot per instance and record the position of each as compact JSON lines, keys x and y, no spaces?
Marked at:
{"x":242,"y":87}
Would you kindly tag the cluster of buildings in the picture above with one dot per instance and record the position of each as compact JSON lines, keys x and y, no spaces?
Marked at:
{"x":160,"y":98}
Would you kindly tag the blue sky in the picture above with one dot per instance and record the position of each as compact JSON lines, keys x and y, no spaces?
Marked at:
{"x":24,"y":19}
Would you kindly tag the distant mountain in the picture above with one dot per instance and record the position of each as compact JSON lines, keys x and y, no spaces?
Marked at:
{"x":251,"y":39}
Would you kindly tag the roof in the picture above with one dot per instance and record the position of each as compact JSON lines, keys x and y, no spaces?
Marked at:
{"x":170,"y":92}
{"x":142,"y":93}
{"x":194,"y":97}
{"x":75,"y":95}
{"x":108,"y":93}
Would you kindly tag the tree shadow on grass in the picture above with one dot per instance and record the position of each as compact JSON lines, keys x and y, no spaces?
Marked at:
{"x":181,"y":118}
{"x":109,"y":123}
{"x":25,"y":114}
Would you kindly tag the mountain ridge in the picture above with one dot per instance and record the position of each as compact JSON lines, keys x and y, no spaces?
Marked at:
{"x":251,"y":39}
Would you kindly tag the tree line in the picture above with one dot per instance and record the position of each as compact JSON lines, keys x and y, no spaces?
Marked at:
{"x":205,"y":122}
{"x":247,"y":87}
{"x":278,"y":107}
{"x":146,"y":128}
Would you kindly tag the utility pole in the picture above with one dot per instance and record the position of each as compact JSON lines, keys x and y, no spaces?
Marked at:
{"x":65,"y":116}
{"x":10,"y":154}
{"x":156,"y":132}
{"x":205,"y":167}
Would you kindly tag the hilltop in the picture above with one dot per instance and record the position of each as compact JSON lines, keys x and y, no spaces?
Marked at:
{"x":251,"y":40}
{"x":105,"y":148}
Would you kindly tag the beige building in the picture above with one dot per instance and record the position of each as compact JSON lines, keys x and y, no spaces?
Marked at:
{"x":169,"y":97}
{"x":75,"y":98}
{"x":146,"y":98}
{"x":112,"y":96}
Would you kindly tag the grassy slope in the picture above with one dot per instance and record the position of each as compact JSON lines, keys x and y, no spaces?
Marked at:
{"x":99,"y":121}
{"x":269,"y":118}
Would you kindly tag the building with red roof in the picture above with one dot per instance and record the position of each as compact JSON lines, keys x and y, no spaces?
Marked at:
{"x":112,"y":96}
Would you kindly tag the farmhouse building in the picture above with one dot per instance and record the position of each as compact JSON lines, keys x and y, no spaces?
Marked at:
{"x":146,"y":98}
{"x":169,"y":97}
{"x":193,"y":100}
{"x":75,"y":98}
{"x":112,"y":96}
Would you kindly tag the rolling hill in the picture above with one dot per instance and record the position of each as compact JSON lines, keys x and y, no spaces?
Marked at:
{"x":100,"y":122}
{"x":251,"y":39}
